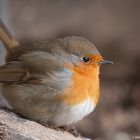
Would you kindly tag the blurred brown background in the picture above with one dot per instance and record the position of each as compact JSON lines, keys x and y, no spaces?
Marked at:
{"x":114,"y":27}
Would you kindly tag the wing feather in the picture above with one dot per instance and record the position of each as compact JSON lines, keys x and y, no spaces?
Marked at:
{"x":12,"y":72}
{"x":34,"y":67}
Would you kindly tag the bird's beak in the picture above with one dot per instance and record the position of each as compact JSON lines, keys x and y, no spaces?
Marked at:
{"x":105,"y":62}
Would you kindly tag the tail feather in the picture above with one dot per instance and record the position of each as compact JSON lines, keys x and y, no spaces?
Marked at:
{"x":8,"y":41}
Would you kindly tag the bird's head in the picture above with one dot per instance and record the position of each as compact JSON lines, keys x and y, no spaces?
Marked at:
{"x":83,"y":55}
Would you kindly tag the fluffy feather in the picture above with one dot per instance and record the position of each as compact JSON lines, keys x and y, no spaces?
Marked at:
{"x":43,"y":80}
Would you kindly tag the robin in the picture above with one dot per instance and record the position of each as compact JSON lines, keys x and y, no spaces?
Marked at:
{"x":55,"y":81}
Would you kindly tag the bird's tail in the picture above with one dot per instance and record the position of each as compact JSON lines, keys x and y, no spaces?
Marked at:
{"x":8,"y":41}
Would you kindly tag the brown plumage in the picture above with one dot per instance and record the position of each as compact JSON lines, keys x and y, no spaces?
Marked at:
{"x":52,"y":81}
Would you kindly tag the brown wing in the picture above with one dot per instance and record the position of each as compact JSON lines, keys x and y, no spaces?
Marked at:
{"x":12,"y":72}
{"x":31,"y":67}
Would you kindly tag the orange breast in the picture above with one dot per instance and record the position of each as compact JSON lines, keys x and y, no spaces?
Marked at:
{"x":84,"y":85}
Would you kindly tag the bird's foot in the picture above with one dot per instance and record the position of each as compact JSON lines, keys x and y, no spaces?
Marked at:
{"x":73,"y":131}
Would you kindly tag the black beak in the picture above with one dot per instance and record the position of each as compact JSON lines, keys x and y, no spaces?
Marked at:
{"x":105,"y":62}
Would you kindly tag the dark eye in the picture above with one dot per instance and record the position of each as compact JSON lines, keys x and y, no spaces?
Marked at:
{"x":85,"y":59}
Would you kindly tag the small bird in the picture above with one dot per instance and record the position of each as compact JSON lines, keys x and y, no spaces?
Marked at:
{"x":55,"y":81}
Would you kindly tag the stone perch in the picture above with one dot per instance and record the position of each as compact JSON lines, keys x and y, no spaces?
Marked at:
{"x":13,"y":127}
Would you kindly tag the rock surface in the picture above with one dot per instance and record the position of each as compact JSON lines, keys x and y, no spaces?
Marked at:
{"x":12,"y":127}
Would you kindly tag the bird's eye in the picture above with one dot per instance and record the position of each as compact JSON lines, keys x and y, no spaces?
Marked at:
{"x":85,"y":59}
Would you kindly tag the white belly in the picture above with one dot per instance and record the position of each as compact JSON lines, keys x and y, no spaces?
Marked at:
{"x":71,"y":114}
